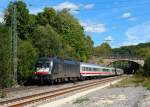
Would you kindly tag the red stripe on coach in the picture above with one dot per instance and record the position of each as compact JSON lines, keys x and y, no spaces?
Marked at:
{"x":95,"y":73}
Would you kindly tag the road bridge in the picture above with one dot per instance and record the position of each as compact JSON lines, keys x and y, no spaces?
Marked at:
{"x":108,"y":60}
{"x":113,"y":58}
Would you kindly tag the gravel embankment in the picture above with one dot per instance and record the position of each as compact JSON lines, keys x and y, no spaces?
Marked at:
{"x":114,"y":97}
{"x":145,"y":102}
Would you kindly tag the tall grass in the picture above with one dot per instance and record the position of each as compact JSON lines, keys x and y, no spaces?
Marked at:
{"x":134,"y":81}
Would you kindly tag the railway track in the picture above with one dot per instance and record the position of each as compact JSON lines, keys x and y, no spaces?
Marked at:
{"x":22,"y":101}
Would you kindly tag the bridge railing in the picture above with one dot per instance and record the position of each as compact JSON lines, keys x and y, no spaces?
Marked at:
{"x":131,"y":57}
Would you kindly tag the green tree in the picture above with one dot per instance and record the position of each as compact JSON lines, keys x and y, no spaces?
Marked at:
{"x":73,"y":35}
{"x":5,"y":61}
{"x":48,"y":16}
{"x":22,"y":17}
{"x":46,"y":40}
{"x":103,"y":50}
{"x":27,"y":57}
{"x":143,"y":52}
{"x":147,"y":65}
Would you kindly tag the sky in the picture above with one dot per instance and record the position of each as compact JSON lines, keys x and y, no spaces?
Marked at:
{"x":118,"y":22}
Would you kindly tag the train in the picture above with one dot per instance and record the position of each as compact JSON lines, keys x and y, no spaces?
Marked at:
{"x":55,"y":69}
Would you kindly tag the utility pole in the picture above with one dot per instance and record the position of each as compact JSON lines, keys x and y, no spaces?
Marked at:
{"x":14,"y":43}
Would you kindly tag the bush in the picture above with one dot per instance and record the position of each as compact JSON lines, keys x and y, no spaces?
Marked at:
{"x":147,"y":66}
{"x":27,"y":57}
{"x":140,"y":72}
{"x":5,"y":68}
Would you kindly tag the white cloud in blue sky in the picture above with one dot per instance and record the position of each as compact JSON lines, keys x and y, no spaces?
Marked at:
{"x":1,"y":19}
{"x":74,"y":7}
{"x":89,"y":6}
{"x":126,"y":15}
{"x":36,"y":10}
{"x":93,"y":27}
{"x":1,"y":16}
{"x":138,"y":34}
{"x":68,"y":5}
{"x":109,"y":38}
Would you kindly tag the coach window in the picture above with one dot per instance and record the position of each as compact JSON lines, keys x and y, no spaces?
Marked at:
{"x":94,"y":69}
{"x":99,"y":69}
{"x":82,"y":68}
{"x":103,"y":70}
{"x":85,"y":68}
{"x":108,"y":70}
{"x":89,"y":69}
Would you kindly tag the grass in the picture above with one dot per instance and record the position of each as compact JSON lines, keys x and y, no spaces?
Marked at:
{"x":81,"y":99}
{"x":134,"y":81}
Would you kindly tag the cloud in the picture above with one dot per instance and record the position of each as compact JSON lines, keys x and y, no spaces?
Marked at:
{"x":88,"y":6}
{"x":72,"y":6}
{"x":126,"y":15}
{"x":36,"y":10}
{"x":138,"y":34}
{"x":1,"y":17}
{"x":109,"y":38}
{"x":67,"y":5}
{"x":93,"y":27}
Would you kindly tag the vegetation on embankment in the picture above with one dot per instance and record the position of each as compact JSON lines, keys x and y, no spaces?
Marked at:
{"x":81,"y":99}
{"x":134,"y":81}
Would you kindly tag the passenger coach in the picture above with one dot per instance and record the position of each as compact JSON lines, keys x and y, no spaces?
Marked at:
{"x":96,"y":70}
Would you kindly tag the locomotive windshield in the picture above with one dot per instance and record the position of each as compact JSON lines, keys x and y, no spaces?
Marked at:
{"x":44,"y":66}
